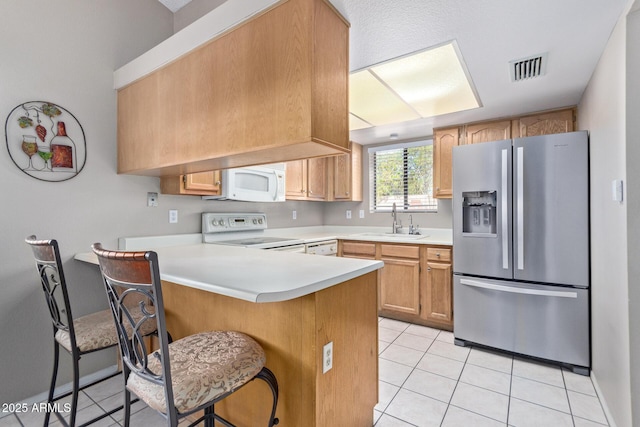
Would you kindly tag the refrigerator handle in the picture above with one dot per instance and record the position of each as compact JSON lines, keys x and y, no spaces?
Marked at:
{"x":514,"y":290}
{"x":520,"y":207}
{"x":504,"y":210}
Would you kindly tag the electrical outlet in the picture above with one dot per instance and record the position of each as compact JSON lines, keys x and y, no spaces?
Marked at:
{"x":348,"y":214}
{"x":294,"y":215}
{"x":327,"y":357}
{"x":152,"y":199}
{"x":361,"y":213}
{"x":173,"y":216}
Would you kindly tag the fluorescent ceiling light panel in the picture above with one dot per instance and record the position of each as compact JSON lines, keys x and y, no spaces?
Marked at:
{"x":373,"y":102}
{"x":425,"y":84}
{"x":356,"y":123}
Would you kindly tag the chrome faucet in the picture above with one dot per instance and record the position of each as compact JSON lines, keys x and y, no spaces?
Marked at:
{"x":412,"y":229}
{"x":395,"y":227}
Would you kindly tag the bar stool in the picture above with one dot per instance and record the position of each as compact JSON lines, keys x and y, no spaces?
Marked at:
{"x":84,"y":335}
{"x":201,"y":370}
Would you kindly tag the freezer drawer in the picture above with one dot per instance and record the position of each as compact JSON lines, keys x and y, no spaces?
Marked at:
{"x":548,"y":322}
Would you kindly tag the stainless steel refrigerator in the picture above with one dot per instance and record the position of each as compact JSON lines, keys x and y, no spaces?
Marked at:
{"x":521,"y":247}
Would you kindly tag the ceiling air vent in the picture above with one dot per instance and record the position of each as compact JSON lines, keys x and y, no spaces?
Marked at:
{"x":528,"y":68}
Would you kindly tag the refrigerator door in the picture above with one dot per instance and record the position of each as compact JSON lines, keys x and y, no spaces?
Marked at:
{"x":482,"y":209}
{"x":549,"y":322}
{"x":551,"y":209}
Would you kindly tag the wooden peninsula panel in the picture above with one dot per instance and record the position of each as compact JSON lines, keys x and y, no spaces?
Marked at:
{"x":293,"y":333}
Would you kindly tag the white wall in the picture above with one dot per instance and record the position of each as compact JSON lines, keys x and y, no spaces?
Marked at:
{"x":65,"y":51}
{"x":602,"y":112}
{"x":633,"y":203}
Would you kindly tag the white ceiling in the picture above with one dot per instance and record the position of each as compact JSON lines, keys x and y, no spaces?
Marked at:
{"x":489,"y":33}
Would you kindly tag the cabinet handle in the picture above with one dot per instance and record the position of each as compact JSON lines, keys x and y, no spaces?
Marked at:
{"x":310,"y":192}
{"x":438,"y":254}
{"x":217,"y":182}
{"x":428,"y":268}
{"x":347,"y":193}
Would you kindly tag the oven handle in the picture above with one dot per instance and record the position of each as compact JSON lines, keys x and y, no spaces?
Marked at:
{"x":514,"y":290}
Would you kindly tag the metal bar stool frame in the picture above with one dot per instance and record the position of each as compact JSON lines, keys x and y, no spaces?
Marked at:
{"x":137,"y":273}
{"x":54,"y":285}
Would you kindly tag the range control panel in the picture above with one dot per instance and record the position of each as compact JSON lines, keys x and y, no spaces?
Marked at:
{"x":224,"y":222}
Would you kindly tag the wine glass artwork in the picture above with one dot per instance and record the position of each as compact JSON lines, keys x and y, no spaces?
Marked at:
{"x":50,"y":137}
{"x":30,"y":147}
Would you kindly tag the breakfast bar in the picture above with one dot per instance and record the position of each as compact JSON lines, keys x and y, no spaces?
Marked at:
{"x":293,"y":305}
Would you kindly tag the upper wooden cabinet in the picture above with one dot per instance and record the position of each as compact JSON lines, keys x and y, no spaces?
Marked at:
{"x":273,"y":89}
{"x":445,"y":139}
{"x":306,"y":179}
{"x":487,"y":131}
{"x":336,"y":178}
{"x":443,"y":142}
{"x":197,"y":184}
{"x":545,"y":123}
{"x":345,"y":175}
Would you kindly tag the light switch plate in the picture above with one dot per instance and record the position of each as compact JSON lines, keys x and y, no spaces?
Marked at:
{"x":348,"y":214}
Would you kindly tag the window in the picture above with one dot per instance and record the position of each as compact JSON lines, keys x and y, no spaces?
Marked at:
{"x":402,"y":174}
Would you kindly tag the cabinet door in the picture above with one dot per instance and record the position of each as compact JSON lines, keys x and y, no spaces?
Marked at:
{"x":443,"y":142}
{"x":317,"y":178}
{"x":195,"y":184}
{"x":438,"y":298}
{"x":544,"y":124}
{"x":207,"y":181}
{"x":296,"y":179}
{"x":342,"y":177}
{"x":400,"y":286}
{"x":488,"y":131}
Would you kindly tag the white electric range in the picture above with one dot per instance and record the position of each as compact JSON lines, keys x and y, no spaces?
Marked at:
{"x":247,"y":230}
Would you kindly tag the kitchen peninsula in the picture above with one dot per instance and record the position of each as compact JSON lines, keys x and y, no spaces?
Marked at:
{"x":292,"y":304}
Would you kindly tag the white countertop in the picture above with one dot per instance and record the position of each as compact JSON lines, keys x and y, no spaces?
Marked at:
{"x":266,"y":276}
{"x":252,"y":274}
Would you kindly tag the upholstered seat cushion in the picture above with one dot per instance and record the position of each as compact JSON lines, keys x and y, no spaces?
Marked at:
{"x":97,"y":330}
{"x":204,"y":367}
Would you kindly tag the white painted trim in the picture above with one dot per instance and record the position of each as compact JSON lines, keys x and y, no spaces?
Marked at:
{"x":218,"y":21}
{"x":65,"y":388}
{"x":603,"y":402}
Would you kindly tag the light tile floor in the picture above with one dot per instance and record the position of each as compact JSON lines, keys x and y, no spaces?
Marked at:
{"x":425,"y":380}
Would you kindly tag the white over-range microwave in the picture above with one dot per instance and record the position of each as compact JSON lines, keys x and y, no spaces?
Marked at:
{"x":264,"y":183}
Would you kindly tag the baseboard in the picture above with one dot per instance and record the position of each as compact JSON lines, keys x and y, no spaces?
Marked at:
{"x":64,"y":388}
{"x":603,"y":402}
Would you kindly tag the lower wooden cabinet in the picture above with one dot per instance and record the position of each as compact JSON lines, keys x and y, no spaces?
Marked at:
{"x":399,"y":288}
{"x":415,"y":284}
{"x":437,"y":299}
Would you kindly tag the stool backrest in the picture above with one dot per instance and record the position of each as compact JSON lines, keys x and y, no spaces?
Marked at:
{"x":132,"y":281}
{"x":54,"y":285}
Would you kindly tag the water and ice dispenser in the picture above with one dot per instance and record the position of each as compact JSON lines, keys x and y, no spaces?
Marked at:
{"x":479,"y":212}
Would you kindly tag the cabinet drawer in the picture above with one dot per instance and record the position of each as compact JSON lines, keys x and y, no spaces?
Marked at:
{"x":359,"y":249}
{"x":400,"y":251}
{"x":439,"y":254}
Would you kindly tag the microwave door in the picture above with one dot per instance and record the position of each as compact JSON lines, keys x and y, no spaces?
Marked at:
{"x":253,"y":184}
{"x":482,"y":212}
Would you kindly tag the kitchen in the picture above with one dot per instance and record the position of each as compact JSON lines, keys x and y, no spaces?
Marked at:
{"x":92,"y":206}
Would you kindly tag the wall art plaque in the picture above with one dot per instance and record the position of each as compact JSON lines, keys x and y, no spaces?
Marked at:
{"x":45,"y":141}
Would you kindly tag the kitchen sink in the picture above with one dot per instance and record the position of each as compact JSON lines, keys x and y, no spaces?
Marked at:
{"x":394,"y":236}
